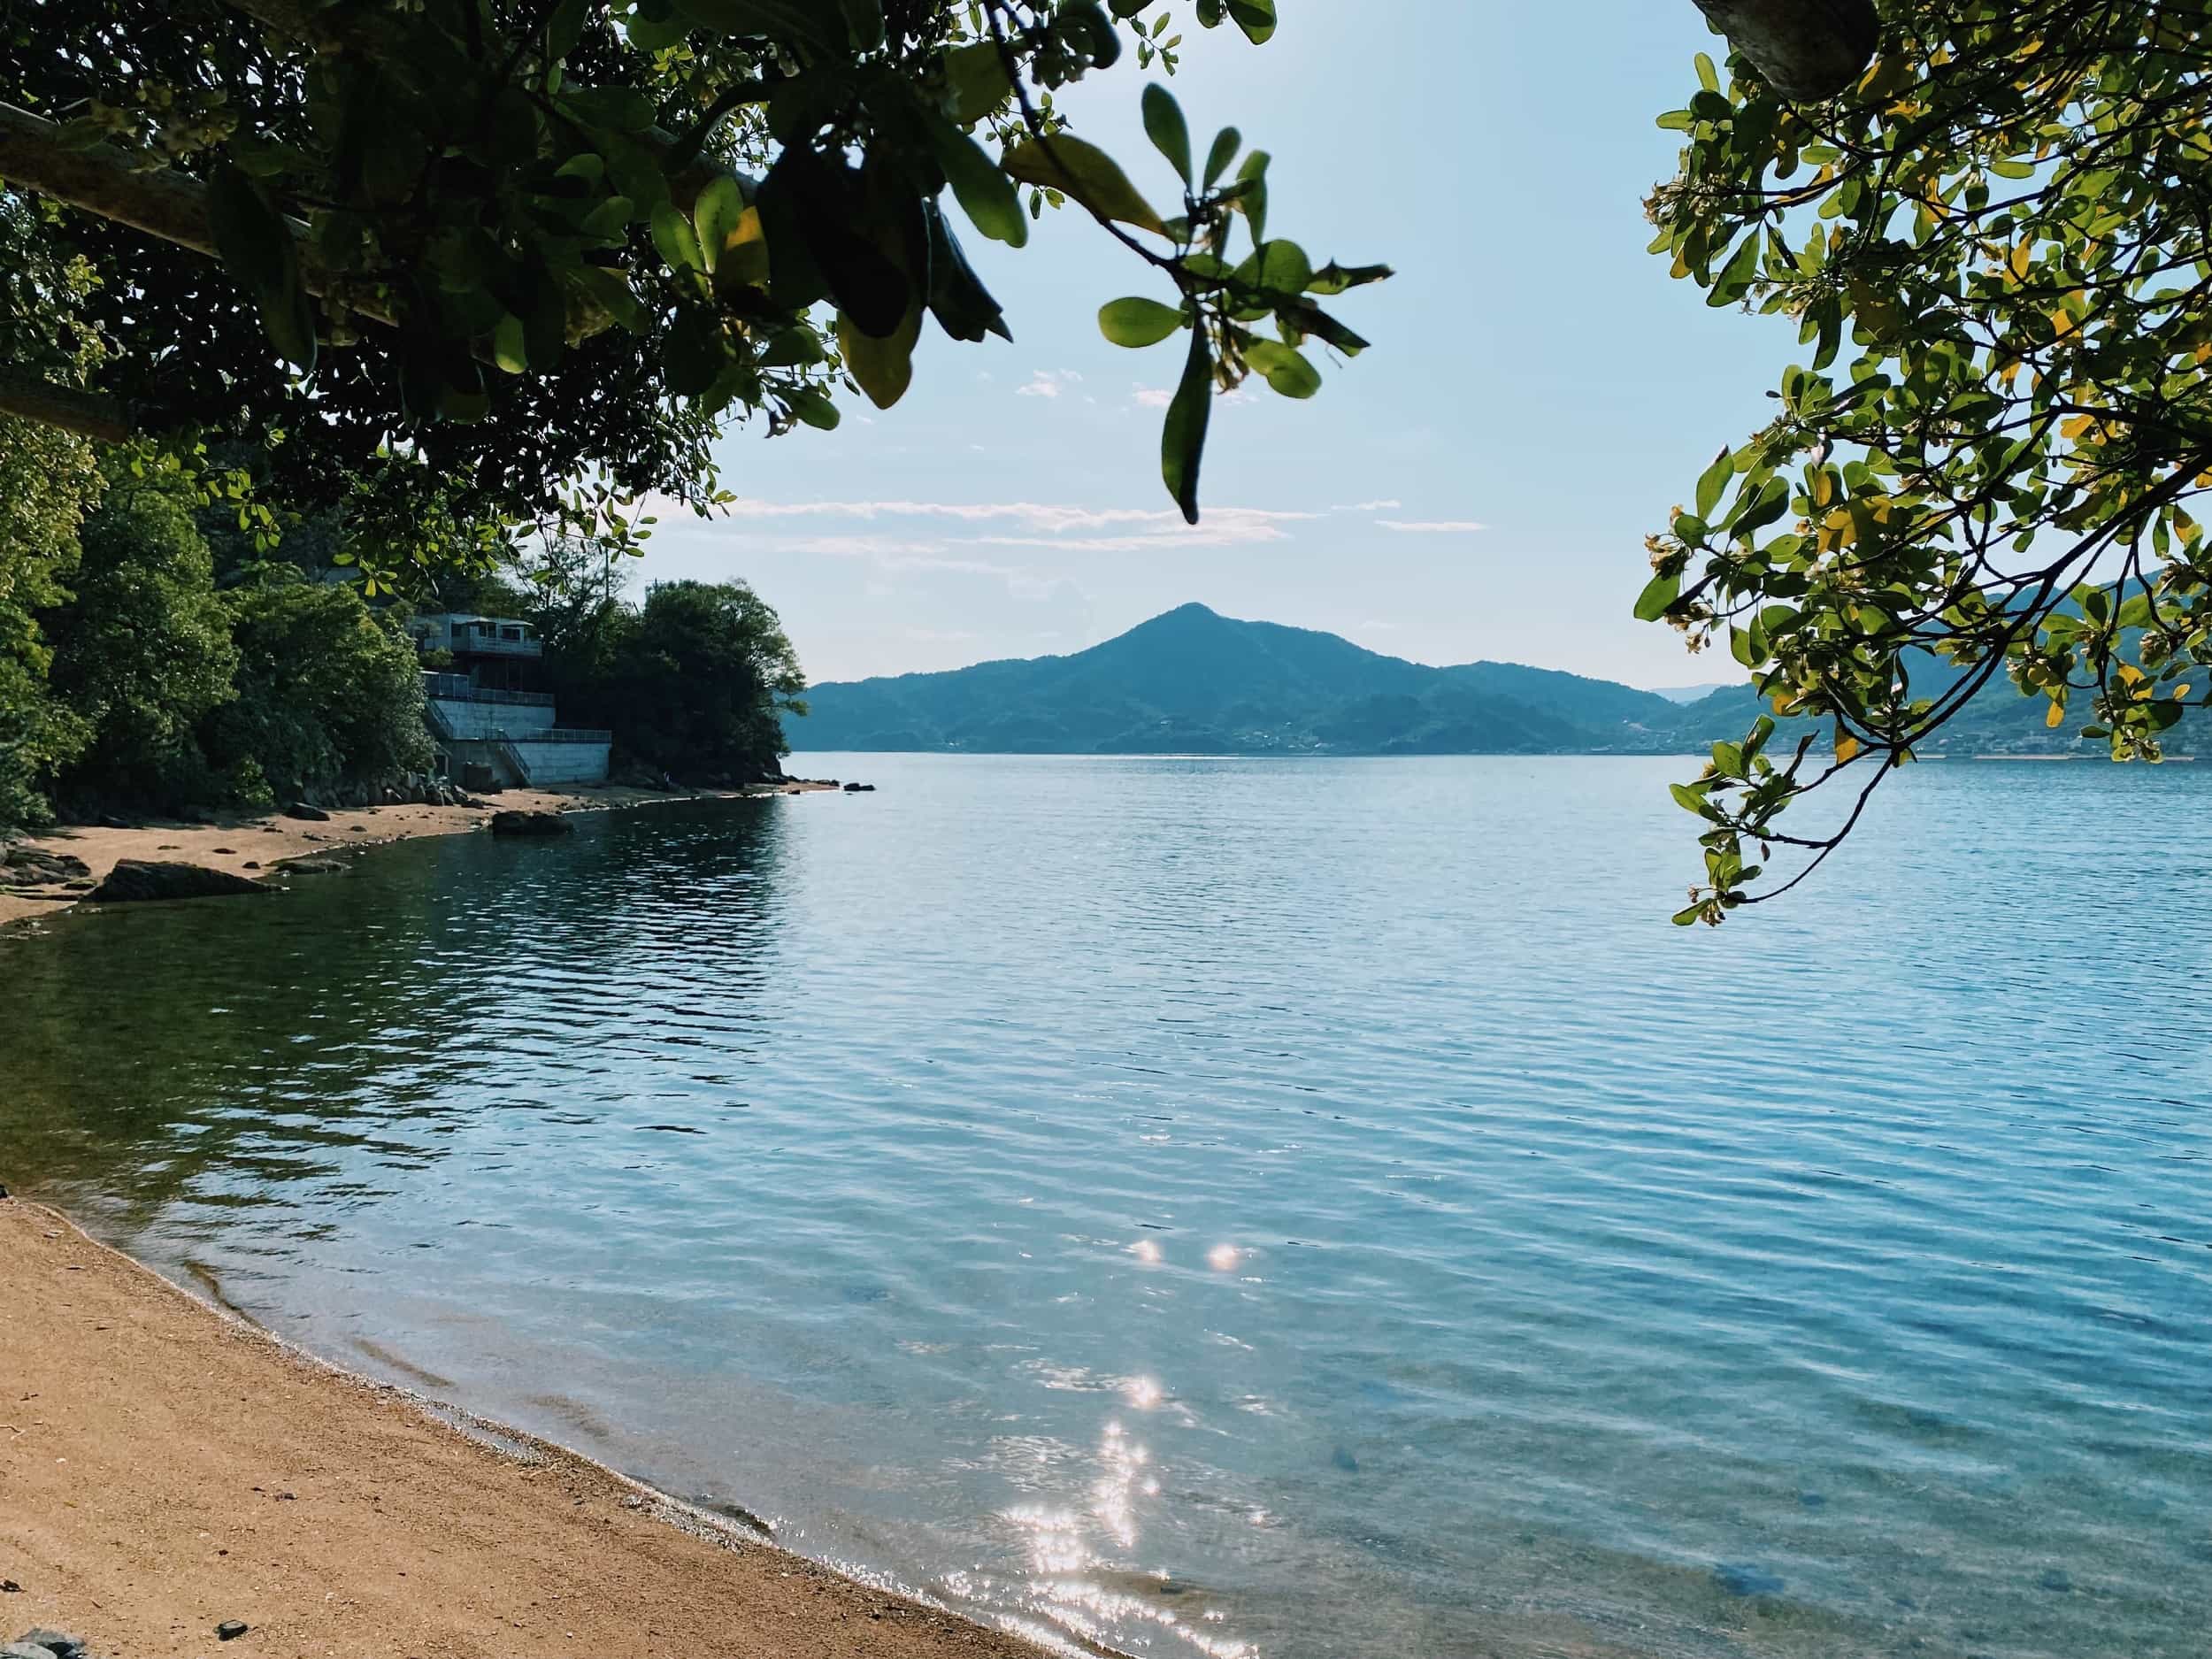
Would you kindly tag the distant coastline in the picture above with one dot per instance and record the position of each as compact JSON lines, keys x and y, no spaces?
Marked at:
{"x":1192,"y":681}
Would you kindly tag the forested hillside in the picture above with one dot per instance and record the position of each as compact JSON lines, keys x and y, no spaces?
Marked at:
{"x":1193,"y":681}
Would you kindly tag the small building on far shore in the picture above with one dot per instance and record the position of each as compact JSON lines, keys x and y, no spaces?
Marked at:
{"x":493,"y":721}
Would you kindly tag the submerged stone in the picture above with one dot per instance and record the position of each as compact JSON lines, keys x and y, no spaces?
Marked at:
{"x":512,"y":823}
{"x":1738,"y":1578}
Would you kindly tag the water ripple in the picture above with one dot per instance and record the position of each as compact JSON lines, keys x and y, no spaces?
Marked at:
{"x":1247,"y":1210}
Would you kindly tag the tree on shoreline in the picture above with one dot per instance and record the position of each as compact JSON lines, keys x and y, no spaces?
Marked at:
{"x":1996,"y":244}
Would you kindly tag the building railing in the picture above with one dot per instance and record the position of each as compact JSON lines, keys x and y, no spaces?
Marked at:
{"x":467,"y":644}
{"x":460,"y":688}
{"x":561,"y":734}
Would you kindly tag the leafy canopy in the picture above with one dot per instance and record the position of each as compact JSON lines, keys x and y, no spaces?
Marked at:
{"x":1995,"y":246}
{"x":520,"y":257}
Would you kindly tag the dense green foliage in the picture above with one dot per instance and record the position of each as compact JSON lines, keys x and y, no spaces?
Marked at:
{"x":142,"y":672}
{"x":141,"y":649}
{"x":1996,"y":244}
{"x":49,"y":479}
{"x":489,"y":264}
{"x":325,"y":691}
{"x":691,"y":682}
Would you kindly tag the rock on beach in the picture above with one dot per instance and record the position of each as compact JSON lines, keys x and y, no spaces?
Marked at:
{"x":134,"y":881}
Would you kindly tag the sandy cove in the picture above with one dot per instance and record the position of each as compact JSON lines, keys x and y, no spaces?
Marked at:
{"x":166,"y":1467}
{"x":232,"y":843}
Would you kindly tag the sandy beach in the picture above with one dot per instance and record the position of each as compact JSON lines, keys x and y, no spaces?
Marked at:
{"x":165,"y":1467}
{"x":252,"y":845}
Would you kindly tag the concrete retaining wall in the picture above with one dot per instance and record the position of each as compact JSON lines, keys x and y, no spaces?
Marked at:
{"x":554,"y":763}
{"x":486,"y":720}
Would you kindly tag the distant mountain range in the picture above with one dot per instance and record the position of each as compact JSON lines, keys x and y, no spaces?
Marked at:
{"x":1194,"y":681}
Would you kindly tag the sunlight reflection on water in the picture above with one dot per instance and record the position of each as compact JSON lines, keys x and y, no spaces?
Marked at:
{"x":1260,"y":1209}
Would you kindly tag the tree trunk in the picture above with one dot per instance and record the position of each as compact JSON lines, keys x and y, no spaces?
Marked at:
{"x":1807,"y":50}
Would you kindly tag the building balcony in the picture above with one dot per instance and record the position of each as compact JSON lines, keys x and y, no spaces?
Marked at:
{"x":460,"y":688}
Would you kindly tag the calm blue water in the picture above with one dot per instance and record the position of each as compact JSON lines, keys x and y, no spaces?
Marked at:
{"x":1246,"y":1208}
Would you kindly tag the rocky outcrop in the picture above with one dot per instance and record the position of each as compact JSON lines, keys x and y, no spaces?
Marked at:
{"x":26,"y":867}
{"x":310,"y":814}
{"x":531,"y":823}
{"x":135,"y":881}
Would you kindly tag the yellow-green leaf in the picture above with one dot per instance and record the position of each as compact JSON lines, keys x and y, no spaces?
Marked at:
{"x":1137,"y":321}
{"x":1084,"y":172}
{"x":883,"y":368}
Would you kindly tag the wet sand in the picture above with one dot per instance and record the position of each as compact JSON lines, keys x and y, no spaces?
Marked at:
{"x":165,"y":1467}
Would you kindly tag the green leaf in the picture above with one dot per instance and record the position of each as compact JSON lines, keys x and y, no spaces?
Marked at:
{"x":673,"y":235}
{"x":985,"y":193}
{"x":1690,"y":799}
{"x":1738,"y":275}
{"x":1164,"y":125}
{"x":1137,"y":321}
{"x":715,"y":215}
{"x":1713,"y":483}
{"x":1084,"y":172}
{"x":565,"y":27}
{"x":257,"y":246}
{"x":1335,"y":278}
{"x":610,"y":221}
{"x":249,"y":235}
{"x":1183,"y":434}
{"x":961,"y":305}
{"x":813,"y":406}
{"x":863,"y":21}
{"x":792,"y":347}
{"x":693,"y":354}
{"x":770,"y":19}
{"x":1281,"y":265}
{"x":883,"y":367}
{"x":1286,"y":370}
{"x":976,"y":76}
{"x":1255,"y":18}
{"x":507,"y":348}
{"x":610,"y":291}
{"x":1659,"y":593}
{"x":1227,"y":142}
{"x":1253,"y":202}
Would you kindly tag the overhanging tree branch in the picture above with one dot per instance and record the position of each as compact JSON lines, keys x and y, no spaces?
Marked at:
{"x":36,"y":155}
{"x":27,"y":394}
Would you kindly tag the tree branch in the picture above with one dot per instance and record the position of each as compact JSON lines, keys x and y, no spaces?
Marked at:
{"x":24,"y":394}
{"x":101,"y":181}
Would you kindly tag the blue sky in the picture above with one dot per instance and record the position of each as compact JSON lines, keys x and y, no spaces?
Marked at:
{"x":1534,"y":373}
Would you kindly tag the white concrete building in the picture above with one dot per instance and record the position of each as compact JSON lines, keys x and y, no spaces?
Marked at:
{"x":494,"y":728}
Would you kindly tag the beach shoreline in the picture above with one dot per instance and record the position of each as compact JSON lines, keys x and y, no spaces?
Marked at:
{"x":252,"y":844}
{"x":170,"y":1466}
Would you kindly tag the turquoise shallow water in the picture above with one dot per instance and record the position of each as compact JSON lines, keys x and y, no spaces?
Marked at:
{"x":1246,"y":1208}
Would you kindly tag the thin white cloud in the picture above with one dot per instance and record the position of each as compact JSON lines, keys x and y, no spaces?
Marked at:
{"x":1372,"y":626}
{"x":1153,"y":397}
{"x":1431,"y":527}
{"x":1048,"y":383}
{"x":1041,"y":517}
{"x":1371,"y":506}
